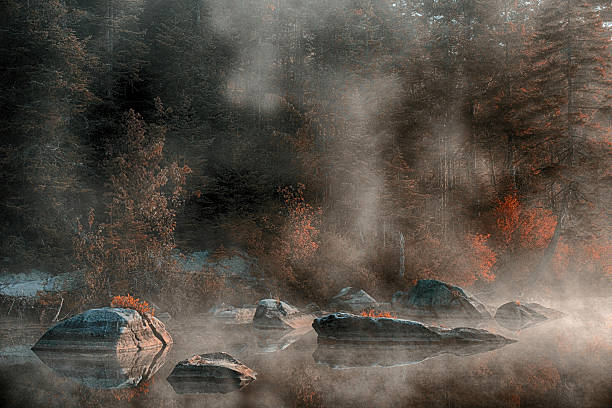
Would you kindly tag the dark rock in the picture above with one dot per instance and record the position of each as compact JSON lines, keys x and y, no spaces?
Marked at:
{"x":435,"y":299}
{"x":210,"y":373}
{"x":346,"y":327}
{"x":352,"y":300}
{"x":102,"y":370}
{"x":276,"y":314}
{"x":106,"y":329}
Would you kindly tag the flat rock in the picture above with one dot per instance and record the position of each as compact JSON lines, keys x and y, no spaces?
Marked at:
{"x":210,"y":373}
{"x":276,"y":314}
{"x":346,"y":327}
{"x":106,"y":330}
{"x":435,"y":299}
{"x":105,"y":370}
{"x":352,"y":300}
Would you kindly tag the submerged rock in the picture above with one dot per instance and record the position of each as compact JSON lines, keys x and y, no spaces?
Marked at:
{"x":229,"y":314}
{"x":515,"y":315}
{"x":276,"y":314}
{"x":352,"y":300}
{"x":346,"y":327}
{"x":436,"y":299}
{"x":105,"y":370}
{"x":106,"y":329}
{"x":210,"y":373}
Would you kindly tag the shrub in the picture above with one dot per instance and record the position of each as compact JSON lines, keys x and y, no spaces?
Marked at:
{"x":129,"y":302}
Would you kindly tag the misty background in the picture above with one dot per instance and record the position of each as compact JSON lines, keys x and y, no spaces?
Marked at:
{"x":338,"y":143}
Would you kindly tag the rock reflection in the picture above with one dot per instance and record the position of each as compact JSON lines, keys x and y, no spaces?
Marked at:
{"x":205,"y":385}
{"x":340,"y":356}
{"x":106,"y":370}
{"x":270,"y":341}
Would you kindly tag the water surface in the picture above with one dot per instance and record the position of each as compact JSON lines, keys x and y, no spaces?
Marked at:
{"x":561,"y":363}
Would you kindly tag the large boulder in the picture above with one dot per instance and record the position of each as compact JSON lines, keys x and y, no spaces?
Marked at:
{"x":345,"y":327}
{"x":106,"y":329}
{"x":105,"y":370}
{"x":351,"y":299}
{"x":435,"y":299}
{"x":276,"y":314}
{"x":210,"y":373}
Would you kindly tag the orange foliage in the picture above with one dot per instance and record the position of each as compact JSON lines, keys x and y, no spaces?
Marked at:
{"x":301,"y":230}
{"x":537,"y":227}
{"x":483,"y":257}
{"x":534,"y":226}
{"x":373,"y":313}
{"x":128,"y":394}
{"x":129,"y":302}
{"x":508,"y":211}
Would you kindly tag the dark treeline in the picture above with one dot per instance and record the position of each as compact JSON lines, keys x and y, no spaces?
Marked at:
{"x":347,"y":142}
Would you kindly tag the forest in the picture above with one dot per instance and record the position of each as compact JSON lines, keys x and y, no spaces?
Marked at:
{"x":338,"y":143}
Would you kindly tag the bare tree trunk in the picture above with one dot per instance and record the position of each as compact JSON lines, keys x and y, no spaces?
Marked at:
{"x":402,"y":255}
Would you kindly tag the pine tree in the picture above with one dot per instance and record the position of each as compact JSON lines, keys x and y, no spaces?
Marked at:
{"x":566,"y":92}
{"x":44,"y":90}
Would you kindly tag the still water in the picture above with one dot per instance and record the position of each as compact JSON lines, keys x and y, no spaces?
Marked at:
{"x":560,"y":363}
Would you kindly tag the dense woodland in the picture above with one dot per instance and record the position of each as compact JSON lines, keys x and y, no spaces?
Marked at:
{"x":345,"y":142}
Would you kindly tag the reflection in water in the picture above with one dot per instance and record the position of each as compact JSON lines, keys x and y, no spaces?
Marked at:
{"x":106,"y":370}
{"x":205,"y":385}
{"x":342,"y":355}
{"x":269,"y":341}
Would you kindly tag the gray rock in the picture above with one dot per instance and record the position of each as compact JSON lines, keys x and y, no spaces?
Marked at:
{"x":352,"y":300}
{"x":276,"y":314}
{"x":515,"y":315}
{"x":346,"y":327}
{"x":210,"y":373}
{"x":106,"y":329}
{"x":237,"y":265}
{"x":545,"y":311}
{"x":34,"y":282}
{"x":435,"y":299}
{"x":105,"y":370}
{"x":229,"y":314}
